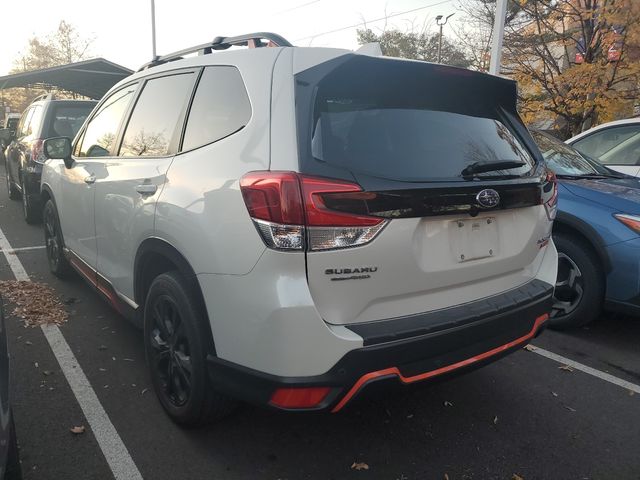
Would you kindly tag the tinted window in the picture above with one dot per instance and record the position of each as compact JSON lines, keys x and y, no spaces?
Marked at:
{"x":36,"y":120}
{"x":565,"y":160}
{"x":599,"y":143}
{"x":220,"y":107}
{"x":155,"y":122}
{"x":407,"y":121}
{"x":67,"y":119}
{"x":100,"y":134}
{"x":24,"y":123}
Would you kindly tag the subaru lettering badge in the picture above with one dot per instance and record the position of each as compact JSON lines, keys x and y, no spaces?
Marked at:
{"x":488,"y":198}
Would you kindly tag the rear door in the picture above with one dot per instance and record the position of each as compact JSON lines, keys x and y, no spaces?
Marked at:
{"x":420,"y":139}
{"x":129,"y":184}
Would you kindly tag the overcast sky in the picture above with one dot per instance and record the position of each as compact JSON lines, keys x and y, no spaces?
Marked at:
{"x":122,"y":28}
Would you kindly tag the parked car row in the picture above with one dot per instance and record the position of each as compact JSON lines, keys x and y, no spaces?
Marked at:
{"x":287,"y":232}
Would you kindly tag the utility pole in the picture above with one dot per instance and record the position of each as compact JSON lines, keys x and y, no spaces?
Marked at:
{"x":498,"y":37}
{"x":441,"y":24}
{"x":153,"y":28}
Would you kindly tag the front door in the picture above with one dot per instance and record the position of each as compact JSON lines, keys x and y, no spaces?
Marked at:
{"x":95,"y":146}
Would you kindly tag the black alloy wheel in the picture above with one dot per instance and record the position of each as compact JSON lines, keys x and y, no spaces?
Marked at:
{"x":11,"y":188}
{"x":53,"y":242}
{"x":170,"y":353}
{"x":30,"y":211}
{"x":177,"y":338}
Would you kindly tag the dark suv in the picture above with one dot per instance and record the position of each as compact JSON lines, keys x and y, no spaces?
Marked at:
{"x":45,"y":117}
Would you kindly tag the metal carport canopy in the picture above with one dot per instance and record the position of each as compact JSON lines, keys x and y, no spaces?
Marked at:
{"x":90,"y":78}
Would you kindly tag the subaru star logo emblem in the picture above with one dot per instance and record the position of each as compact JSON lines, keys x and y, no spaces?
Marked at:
{"x":488,"y":198}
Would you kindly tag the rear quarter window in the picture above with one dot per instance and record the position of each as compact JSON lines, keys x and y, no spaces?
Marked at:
{"x":220,"y":107}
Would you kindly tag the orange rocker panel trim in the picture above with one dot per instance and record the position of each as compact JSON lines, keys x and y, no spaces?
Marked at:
{"x":433,"y":373}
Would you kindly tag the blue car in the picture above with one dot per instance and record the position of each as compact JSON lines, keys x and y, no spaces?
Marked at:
{"x":597,"y":234}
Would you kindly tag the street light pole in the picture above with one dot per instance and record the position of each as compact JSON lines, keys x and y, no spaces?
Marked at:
{"x":153,"y":28}
{"x":441,"y":24}
{"x":498,"y":36}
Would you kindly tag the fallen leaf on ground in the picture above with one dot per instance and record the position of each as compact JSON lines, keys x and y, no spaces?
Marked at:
{"x":495,"y":420}
{"x":359,"y":466}
{"x":566,"y":368}
{"x":446,"y":477}
{"x":569,"y":408}
{"x":447,"y":403}
{"x":28,"y":343}
{"x":47,"y":372}
{"x":127,"y":359}
{"x":144,"y":391}
{"x":77,"y":430}
{"x":516,"y":477}
{"x":554,"y":394}
{"x":35,"y":303}
{"x":529,"y":347}
{"x":631,"y":393}
{"x":102,"y":347}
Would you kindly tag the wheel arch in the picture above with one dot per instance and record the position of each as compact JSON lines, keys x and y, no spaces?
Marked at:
{"x":156,"y":256}
{"x":572,"y":225}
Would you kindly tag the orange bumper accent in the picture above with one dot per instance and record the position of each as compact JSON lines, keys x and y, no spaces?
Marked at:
{"x":362,"y":381}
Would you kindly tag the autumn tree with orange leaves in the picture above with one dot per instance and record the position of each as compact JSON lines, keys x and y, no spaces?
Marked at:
{"x":577,"y":62}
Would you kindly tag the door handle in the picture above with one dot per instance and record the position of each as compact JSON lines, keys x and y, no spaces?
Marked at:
{"x":90,"y":179}
{"x":146,"y":189}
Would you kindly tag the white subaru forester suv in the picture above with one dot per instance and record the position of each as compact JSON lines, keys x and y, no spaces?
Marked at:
{"x":291,"y":224}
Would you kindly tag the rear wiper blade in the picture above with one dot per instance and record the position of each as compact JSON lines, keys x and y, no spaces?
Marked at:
{"x":481,"y":167}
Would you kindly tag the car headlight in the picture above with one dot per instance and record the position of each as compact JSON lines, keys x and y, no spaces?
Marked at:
{"x":631,"y":221}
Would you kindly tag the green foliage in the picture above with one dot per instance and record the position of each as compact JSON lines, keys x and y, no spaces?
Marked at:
{"x":416,"y":46}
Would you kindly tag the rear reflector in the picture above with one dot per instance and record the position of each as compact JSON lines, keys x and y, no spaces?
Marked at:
{"x":299,"y":397}
{"x":290,"y":212}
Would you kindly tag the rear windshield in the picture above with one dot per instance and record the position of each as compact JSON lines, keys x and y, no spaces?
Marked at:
{"x":67,"y":120}
{"x":390,"y":125}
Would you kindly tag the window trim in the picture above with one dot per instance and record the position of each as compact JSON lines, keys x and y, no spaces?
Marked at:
{"x":181,"y":118}
{"x":20,"y":129}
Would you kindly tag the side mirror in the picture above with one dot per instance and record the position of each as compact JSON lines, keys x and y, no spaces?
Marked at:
{"x":58,"y":148}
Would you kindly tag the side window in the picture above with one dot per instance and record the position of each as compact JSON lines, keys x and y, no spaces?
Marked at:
{"x":599,"y":143}
{"x":100,"y":135}
{"x":24,"y":123}
{"x":220,"y":107}
{"x":155,"y":123}
{"x":36,"y":120}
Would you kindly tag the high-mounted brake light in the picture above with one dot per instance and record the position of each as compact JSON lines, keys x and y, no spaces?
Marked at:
{"x":549,"y":195}
{"x":290,"y":211}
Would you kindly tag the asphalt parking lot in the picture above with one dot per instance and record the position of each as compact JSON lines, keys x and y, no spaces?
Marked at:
{"x":521,"y":417}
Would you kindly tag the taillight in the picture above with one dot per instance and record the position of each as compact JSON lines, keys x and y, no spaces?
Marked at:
{"x":549,"y":196}
{"x":290,"y":212}
{"x":37,"y":151}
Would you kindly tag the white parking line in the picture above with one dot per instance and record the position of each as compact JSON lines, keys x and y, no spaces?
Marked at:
{"x":23,"y":249}
{"x":584,"y":368}
{"x":115,"y":452}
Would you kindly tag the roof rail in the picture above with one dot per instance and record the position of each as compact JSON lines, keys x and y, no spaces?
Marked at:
{"x":250,"y":40}
{"x":44,"y":96}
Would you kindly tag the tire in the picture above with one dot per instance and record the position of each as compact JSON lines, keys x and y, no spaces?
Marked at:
{"x":30,"y":211}
{"x":13,"y":470}
{"x":579,"y":291}
{"x":54,"y":243}
{"x":12,"y":191}
{"x":176,"y":350}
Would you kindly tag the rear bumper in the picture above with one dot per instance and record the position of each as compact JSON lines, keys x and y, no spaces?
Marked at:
{"x":433,"y":347}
